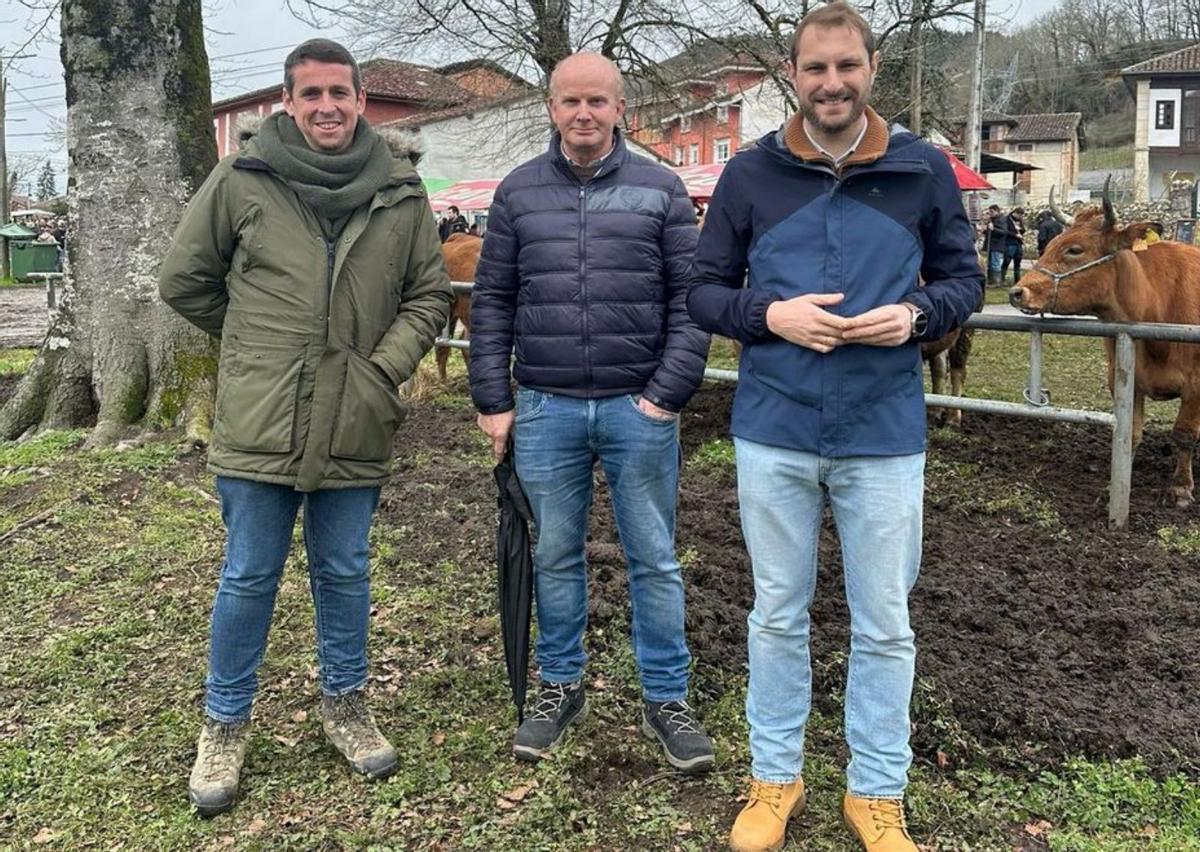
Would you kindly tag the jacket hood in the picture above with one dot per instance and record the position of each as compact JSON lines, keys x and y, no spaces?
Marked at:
{"x":404,"y":144}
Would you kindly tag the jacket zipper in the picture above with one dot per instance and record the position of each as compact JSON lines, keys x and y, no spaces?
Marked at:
{"x":587,"y":351}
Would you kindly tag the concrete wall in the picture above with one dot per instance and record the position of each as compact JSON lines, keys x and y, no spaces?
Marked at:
{"x":486,"y":144}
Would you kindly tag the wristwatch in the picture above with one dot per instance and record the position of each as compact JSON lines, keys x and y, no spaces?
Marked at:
{"x":920,"y":322}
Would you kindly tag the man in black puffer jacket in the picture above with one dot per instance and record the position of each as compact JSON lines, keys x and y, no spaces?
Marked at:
{"x":584,"y":274}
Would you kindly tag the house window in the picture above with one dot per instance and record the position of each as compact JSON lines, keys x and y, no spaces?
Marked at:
{"x":722,"y":114}
{"x":985,"y":132}
{"x":693,"y":153}
{"x":1189,"y":113}
{"x":1025,"y":146}
{"x":678,"y":158}
{"x":721,"y":150}
{"x":685,"y":123}
{"x":1164,"y":115}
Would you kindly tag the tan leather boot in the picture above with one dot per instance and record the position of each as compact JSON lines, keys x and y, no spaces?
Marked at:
{"x":878,"y":823}
{"x":762,"y":824}
{"x":218,"y":767}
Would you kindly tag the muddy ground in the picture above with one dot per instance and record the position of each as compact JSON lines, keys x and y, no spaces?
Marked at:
{"x":1053,"y":635}
{"x":1038,"y":628}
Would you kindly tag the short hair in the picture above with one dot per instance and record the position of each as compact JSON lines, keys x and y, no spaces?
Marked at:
{"x":320,"y":50}
{"x":455,"y":209}
{"x":995,"y":207}
{"x":1020,"y":210}
{"x":836,"y":14}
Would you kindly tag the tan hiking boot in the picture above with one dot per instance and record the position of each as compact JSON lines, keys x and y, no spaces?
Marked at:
{"x":878,"y":823}
{"x":350,"y":727}
{"x":218,"y":767}
{"x":762,"y":824}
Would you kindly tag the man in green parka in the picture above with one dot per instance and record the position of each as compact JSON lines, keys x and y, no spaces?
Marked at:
{"x":314,"y":255}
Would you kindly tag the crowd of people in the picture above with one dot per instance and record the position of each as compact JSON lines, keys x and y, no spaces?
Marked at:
{"x":591,"y":314}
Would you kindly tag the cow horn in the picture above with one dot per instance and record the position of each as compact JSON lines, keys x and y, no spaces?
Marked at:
{"x":1058,"y":214}
{"x":1110,"y":215}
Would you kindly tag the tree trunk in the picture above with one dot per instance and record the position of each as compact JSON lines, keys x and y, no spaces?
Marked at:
{"x":140,"y":139}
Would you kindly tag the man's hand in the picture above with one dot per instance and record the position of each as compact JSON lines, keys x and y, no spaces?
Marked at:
{"x":803,"y":321}
{"x":497,"y":427}
{"x":651,"y":410}
{"x":889,"y":325}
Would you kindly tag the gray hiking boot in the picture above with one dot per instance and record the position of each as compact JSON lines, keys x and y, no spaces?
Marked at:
{"x":219,"y":755}
{"x":350,"y":727}
{"x":558,"y":706}
{"x":681,"y":735}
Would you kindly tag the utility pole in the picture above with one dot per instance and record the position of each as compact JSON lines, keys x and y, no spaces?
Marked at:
{"x":916,"y":43}
{"x":4,"y":269}
{"x":975,"y":97}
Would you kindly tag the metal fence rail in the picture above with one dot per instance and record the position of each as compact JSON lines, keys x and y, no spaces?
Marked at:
{"x":1037,"y":402}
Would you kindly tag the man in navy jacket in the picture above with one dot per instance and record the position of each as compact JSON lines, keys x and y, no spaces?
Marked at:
{"x":584,"y":274}
{"x":836,"y":220}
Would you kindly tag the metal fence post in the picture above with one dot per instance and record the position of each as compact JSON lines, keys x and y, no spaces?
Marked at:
{"x":1035,"y":394}
{"x":1122,"y":444}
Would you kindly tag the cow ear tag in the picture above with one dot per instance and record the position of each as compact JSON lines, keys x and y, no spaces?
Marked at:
{"x":1152,"y":237}
{"x":1139,"y":245}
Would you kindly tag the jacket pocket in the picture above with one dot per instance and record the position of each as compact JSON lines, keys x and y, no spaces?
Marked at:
{"x":371,"y":410}
{"x":787,"y":369}
{"x":256,"y":403}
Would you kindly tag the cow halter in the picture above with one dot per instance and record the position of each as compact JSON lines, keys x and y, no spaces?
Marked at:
{"x":1056,"y":277}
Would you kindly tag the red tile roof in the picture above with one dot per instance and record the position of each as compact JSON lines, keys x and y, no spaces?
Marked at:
{"x":1041,"y":127}
{"x":1183,"y":61}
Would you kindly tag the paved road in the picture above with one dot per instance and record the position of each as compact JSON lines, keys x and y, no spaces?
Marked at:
{"x":23,"y":317}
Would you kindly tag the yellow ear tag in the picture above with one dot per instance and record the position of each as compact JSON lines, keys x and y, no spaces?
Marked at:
{"x":1139,"y":245}
{"x":1152,"y":237}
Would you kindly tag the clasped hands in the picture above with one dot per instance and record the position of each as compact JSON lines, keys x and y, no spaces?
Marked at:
{"x":804,"y":321}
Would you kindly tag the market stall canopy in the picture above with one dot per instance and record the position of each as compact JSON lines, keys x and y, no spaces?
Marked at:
{"x":465,"y":195}
{"x":40,"y":214}
{"x":968,"y":179}
{"x":436,"y":184}
{"x":700,"y":181}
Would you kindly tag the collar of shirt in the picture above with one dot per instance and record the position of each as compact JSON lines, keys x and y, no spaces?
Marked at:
{"x":837,"y":161}
{"x":594,"y":164}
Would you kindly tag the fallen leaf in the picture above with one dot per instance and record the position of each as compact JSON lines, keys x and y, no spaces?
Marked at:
{"x":1037,"y":829}
{"x":504,"y":804}
{"x":290,"y":742}
{"x":256,"y":825}
{"x":1149,"y":831}
{"x":684,"y":828}
{"x":45,"y":835}
{"x":943,"y":760}
{"x":300,"y":716}
{"x":439,"y":738}
{"x":518,"y":793}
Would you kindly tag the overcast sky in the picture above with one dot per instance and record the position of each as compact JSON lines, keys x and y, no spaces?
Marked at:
{"x":247,"y":41}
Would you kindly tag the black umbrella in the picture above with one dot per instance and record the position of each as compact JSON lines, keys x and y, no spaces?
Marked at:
{"x":515,"y":563}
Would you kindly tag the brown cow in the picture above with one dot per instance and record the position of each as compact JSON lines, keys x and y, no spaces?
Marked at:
{"x":950,"y":351}
{"x":461,"y":253}
{"x":1094,"y":267}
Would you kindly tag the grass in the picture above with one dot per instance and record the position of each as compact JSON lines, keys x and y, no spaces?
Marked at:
{"x":1117,"y":157}
{"x":15,"y":361}
{"x":104,"y":605}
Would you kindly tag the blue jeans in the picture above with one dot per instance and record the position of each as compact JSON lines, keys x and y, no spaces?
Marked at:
{"x":259,"y":518}
{"x":877,"y":506}
{"x":558,"y":440}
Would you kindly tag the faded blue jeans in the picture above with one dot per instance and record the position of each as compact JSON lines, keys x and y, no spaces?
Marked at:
{"x":259,"y":518}
{"x":558,"y":440}
{"x":877,"y":507}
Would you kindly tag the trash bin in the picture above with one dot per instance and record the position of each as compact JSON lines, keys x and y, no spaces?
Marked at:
{"x":29,"y":256}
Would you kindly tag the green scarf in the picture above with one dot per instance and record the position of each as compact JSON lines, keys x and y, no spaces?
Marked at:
{"x":333,"y":185}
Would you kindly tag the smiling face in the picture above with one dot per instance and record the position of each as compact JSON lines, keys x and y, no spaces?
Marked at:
{"x":833,"y":73}
{"x":324,"y":104}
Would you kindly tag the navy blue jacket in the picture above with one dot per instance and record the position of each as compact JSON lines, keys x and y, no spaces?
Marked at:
{"x":869,"y":234}
{"x":588,"y":283}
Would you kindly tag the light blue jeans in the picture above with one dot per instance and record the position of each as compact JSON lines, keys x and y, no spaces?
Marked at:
{"x":259,"y":518}
{"x":877,"y":507}
{"x":558,"y":440}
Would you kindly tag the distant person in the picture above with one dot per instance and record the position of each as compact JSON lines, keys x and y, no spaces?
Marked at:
{"x":1048,"y":228}
{"x":1014,"y":244}
{"x":995,"y":238}
{"x":454,"y":222}
{"x":46,"y":236}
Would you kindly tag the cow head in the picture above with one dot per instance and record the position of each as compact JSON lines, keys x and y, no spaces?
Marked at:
{"x":1076,"y":274}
